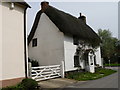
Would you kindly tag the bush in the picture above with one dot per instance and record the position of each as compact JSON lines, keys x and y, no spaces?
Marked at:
{"x":29,"y":84}
{"x":33,"y":62}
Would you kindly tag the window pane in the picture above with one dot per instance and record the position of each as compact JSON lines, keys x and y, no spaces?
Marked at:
{"x":75,"y":40}
{"x":34,"y":42}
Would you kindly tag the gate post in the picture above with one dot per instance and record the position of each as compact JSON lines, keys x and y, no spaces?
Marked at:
{"x":29,"y":69}
{"x":62,"y":69}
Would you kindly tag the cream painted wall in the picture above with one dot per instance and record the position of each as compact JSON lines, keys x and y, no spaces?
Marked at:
{"x":98,"y":57}
{"x":69,"y":52}
{"x":50,"y":47}
{"x":13,"y":42}
{"x":0,"y":42}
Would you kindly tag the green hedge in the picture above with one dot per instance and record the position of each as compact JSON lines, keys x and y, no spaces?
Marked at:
{"x":112,"y":65}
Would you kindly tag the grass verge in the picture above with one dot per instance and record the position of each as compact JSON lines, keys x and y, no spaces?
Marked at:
{"x":83,"y":76}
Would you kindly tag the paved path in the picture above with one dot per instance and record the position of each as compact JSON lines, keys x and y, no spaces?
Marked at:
{"x":110,"y":81}
{"x":56,"y":83}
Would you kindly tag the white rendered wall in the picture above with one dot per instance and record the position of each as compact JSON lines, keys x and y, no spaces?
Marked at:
{"x":50,"y":43}
{"x":69,"y":52}
{"x":13,"y":65}
{"x":98,"y":56}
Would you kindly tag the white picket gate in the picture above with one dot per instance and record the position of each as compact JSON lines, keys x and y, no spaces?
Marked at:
{"x":46,"y":72}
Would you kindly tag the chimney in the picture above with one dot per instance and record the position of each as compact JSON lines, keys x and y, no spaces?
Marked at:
{"x":44,"y":5}
{"x":82,"y":17}
{"x":80,"y":14}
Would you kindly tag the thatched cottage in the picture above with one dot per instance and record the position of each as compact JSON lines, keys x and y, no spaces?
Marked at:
{"x":58,"y":36}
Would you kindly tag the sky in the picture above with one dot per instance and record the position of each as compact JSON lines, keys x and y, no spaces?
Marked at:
{"x":102,"y":15}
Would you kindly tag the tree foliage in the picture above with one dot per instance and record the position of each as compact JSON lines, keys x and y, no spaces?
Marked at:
{"x":108,"y":45}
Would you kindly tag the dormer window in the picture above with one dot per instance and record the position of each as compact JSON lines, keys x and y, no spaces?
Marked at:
{"x":34,"y":42}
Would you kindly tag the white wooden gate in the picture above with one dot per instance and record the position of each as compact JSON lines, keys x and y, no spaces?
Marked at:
{"x":46,"y":72}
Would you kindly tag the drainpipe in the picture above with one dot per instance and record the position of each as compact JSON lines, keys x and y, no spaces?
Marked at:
{"x":25,"y":47}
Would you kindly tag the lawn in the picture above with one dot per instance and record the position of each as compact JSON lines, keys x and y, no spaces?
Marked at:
{"x":83,"y":76}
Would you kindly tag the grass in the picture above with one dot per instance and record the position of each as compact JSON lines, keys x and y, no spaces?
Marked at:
{"x":112,"y":64}
{"x":83,"y":76}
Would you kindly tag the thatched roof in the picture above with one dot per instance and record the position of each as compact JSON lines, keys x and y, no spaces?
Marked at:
{"x":35,"y":24}
{"x":67,"y":24}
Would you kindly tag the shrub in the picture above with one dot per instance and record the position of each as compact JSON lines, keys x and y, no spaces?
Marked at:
{"x":29,"y":84}
{"x":33,"y":62}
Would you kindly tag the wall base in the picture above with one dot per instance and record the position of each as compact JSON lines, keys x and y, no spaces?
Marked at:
{"x":10,"y":82}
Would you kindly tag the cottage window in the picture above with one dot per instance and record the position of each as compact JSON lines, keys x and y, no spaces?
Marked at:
{"x":75,"y":40}
{"x":34,"y":42}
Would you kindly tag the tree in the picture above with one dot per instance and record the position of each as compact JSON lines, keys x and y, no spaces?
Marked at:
{"x":108,"y":45}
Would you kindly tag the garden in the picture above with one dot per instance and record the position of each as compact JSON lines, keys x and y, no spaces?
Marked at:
{"x":83,"y":76}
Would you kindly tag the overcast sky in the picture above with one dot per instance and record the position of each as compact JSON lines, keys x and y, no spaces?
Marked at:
{"x":102,"y":15}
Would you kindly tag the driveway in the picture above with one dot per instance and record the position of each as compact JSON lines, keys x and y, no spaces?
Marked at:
{"x":110,"y":81}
